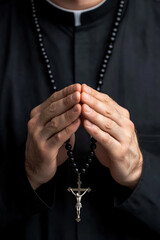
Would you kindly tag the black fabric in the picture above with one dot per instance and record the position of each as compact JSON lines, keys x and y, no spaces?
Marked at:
{"x":109,"y":211}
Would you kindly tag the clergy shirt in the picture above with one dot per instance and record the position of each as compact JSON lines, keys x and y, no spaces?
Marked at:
{"x":109,"y":211}
{"x":77,"y":13}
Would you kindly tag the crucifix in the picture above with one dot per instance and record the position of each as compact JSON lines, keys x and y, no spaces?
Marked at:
{"x":78,"y":193}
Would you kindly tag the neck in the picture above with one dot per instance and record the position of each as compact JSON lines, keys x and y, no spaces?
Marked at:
{"x":76,"y":4}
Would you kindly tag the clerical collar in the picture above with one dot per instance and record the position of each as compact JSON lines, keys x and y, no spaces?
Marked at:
{"x":59,"y":16}
{"x":77,"y":13}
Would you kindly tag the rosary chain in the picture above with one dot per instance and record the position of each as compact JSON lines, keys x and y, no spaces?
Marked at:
{"x":105,"y":62}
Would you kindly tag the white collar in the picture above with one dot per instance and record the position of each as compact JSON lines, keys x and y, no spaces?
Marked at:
{"x":77,"y":13}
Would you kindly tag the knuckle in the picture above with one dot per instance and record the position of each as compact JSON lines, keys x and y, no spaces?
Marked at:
{"x":53,"y":97}
{"x":31,"y":124}
{"x":52,"y":107}
{"x":53,"y":124}
{"x":33,"y":112}
{"x":58,"y":137}
{"x":109,"y":124}
{"x":67,"y":131}
{"x":126,"y":113}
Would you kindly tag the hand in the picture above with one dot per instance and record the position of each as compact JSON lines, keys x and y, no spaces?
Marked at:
{"x":51,"y":124}
{"x":117,"y":145}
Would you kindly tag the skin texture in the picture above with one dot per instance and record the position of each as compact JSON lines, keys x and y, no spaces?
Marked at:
{"x":76,"y":4}
{"x":58,"y":118}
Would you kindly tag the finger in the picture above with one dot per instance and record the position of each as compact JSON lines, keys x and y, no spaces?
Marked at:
{"x":58,"y":139}
{"x":107,"y":110}
{"x":105,"y":124}
{"x":56,"y":96}
{"x":57,"y":124}
{"x":59,"y":107}
{"x":105,"y":139}
{"x":104,"y":98}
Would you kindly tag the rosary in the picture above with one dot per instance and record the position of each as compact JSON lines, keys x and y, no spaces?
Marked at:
{"x":78,"y":192}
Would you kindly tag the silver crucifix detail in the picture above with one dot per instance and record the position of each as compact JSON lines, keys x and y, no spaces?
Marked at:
{"x":78,"y":193}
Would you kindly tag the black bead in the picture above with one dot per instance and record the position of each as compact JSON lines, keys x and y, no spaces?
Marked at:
{"x":119,"y":14}
{"x":101,"y":75}
{"x":98,"y":89}
{"x":87,"y":165}
{"x":83,"y":170}
{"x":74,"y":165}
{"x":68,"y":146}
{"x":46,"y":59}
{"x":110,"y":46}
{"x":118,"y":19}
{"x":112,"y":39}
{"x":92,"y":154}
{"x":76,"y":170}
{"x":109,"y":52}
{"x":93,"y":146}
{"x":100,"y":82}
{"x":115,"y":29}
{"x":93,"y":140}
{"x":89,"y":160}
{"x":116,"y":24}
{"x":52,"y":80}
{"x":70,"y":153}
{"x":71,"y":159}
{"x":107,"y":57}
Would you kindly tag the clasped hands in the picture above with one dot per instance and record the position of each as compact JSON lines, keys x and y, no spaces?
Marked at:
{"x":58,"y":118}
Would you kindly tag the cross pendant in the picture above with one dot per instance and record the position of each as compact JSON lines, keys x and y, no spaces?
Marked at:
{"x":78,"y":193}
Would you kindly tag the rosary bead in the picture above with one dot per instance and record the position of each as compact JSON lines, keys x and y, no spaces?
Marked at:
{"x":93,"y":146}
{"x":112,"y":39}
{"x":118,"y":19}
{"x":102,"y":70}
{"x":54,"y":88}
{"x":89,"y":160}
{"x":92,"y":154}
{"x":116,"y":24}
{"x":98,"y":89}
{"x":68,"y":146}
{"x":115,"y":29}
{"x":100,"y":82}
{"x":109,"y":52}
{"x":111,"y":46}
{"x":119,"y":14}
{"x":74,"y":165}
{"x":71,"y":159}
{"x":114,"y":34}
{"x":70,"y":153}
{"x":93,"y":140}
{"x":107,"y":57}
{"x":76,"y":170}
{"x":83,"y":170}
{"x":39,"y":35}
{"x":87,"y":165}
{"x":52,"y":81}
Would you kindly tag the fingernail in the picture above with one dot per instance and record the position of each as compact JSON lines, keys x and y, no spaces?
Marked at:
{"x":89,"y":124}
{"x":74,"y":96}
{"x":88,"y":90}
{"x":75,"y":109}
{"x":87,"y":109}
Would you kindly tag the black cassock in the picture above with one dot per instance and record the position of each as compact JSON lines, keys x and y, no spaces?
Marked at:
{"x":132,"y":79}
